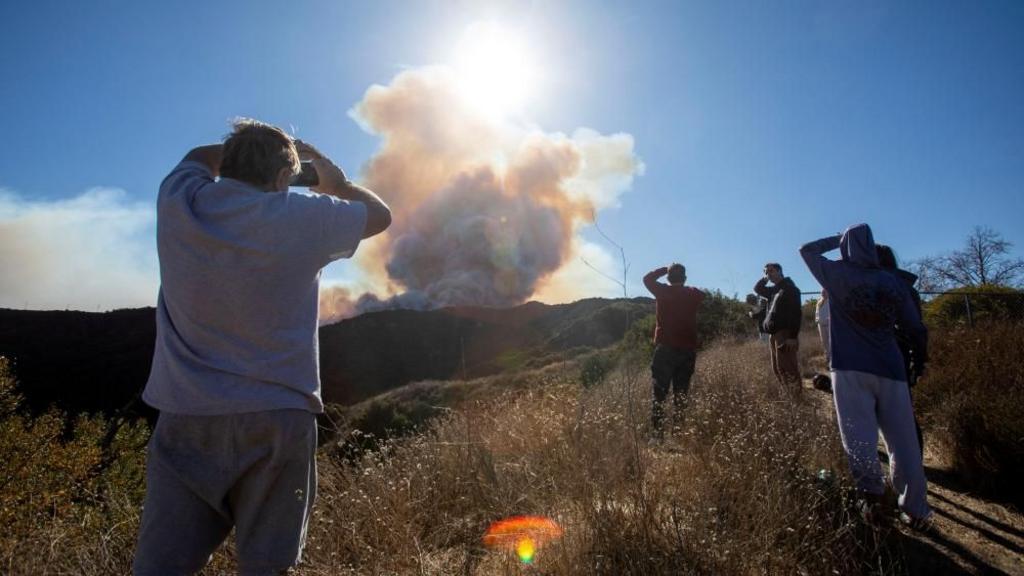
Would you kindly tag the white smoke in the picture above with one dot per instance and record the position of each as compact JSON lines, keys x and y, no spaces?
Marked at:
{"x":95,"y":251}
{"x":486,"y":211}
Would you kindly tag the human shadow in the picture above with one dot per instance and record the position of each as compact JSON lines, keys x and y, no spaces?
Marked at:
{"x":988,"y":534}
{"x":922,"y":557}
{"x":951,"y":481}
{"x":996,"y":524}
{"x":930,"y":554}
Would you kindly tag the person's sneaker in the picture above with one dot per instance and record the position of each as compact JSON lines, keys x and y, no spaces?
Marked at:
{"x":922,"y":525}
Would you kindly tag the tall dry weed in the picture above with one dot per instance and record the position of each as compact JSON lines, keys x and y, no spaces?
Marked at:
{"x":69,"y":492}
{"x":971,"y":400}
{"x":735,"y":491}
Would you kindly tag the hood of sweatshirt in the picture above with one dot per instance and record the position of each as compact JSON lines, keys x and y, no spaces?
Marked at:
{"x":857,"y":246}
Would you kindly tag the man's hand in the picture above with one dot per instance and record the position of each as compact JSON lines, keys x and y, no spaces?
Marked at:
{"x":332,"y":179}
{"x":333,"y":182}
{"x":307,"y":151}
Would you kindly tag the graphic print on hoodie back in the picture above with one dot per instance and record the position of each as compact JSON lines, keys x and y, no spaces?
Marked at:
{"x":866,"y":303}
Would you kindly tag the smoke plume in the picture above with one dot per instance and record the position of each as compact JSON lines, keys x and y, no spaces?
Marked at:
{"x":485,"y":211}
{"x":91,"y":252}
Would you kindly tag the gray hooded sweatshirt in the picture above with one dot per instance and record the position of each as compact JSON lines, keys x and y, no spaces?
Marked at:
{"x":865,"y":302}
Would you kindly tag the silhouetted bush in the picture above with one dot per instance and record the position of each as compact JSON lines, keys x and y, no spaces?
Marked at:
{"x":972,"y":403}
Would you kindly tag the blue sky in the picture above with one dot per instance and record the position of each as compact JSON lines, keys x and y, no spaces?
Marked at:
{"x":760,"y":125}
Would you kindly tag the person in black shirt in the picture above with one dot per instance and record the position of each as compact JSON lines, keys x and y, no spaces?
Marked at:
{"x":782,"y":322}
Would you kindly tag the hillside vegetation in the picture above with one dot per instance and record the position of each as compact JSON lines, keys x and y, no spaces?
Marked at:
{"x":972,"y":404}
{"x":738,"y":491}
{"x":70,"y":489}
{"x":753,"y":483}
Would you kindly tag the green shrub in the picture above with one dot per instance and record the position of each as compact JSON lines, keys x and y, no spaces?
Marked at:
{"x":638,"y":341}
{"x":513,"y":360}
{"x":988,"y":303}
{"x":595,"y":368}
{"x":721,"y":316}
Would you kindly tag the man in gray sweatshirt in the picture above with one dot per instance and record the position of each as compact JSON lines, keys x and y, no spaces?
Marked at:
{"x":235,"y":370}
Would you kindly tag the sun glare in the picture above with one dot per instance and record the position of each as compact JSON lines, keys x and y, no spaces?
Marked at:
{"x":495,"y":69}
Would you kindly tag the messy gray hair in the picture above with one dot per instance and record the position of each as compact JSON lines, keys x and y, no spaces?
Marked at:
{"x":255,"y":152}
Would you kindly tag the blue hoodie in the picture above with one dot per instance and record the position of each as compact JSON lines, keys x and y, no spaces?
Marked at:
{"x":865,"y":302}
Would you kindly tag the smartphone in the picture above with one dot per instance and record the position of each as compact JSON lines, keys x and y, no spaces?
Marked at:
{"x":307,"y":177}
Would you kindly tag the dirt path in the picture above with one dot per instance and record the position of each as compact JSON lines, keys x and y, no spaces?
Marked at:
{"x":971,"y":535}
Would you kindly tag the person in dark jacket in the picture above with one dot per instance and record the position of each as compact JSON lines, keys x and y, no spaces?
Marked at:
{"x":914,"y":356}
{"x":675,"y":340}
{"x":782,"y":322}
{"x":869,"y":380}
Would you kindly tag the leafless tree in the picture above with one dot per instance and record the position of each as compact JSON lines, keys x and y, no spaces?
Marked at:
{"x":984,"y":259}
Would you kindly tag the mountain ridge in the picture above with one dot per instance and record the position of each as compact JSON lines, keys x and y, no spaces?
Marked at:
{"x":99,"y":361}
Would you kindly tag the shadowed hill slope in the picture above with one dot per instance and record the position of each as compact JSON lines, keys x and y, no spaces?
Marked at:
{"x":79,"y":361}
{"x":82,"y":361}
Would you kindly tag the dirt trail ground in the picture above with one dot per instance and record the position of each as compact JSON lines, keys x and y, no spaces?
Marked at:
{"x":971,"y":534}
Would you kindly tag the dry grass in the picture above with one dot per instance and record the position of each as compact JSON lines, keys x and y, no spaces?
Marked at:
{"x":69,"y":492}
{"x":736,"y":491}
{"x":972,"y":403}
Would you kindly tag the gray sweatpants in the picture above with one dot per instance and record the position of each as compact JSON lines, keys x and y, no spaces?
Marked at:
{"x":255,"y":472}
{"x":866,"y":403}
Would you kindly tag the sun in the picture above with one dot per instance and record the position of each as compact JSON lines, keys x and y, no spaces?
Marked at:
{"x":495,"y":69}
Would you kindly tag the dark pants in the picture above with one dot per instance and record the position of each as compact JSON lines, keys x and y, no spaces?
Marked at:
{"x":670,"y":368}
{"x":784,"y":359}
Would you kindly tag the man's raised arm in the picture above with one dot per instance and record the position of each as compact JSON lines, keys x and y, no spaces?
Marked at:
{"x":651,"y":280}
{"x":762,"y":289}
{"x":813,"y":255}
{"x":209,"y":155}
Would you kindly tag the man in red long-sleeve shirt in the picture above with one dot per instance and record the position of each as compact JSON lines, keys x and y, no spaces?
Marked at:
{"x":675,"y":339}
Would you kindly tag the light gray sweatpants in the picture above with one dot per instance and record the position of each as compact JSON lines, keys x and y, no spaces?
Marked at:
{"x":255,"y":472}
{"x":866,"y":403}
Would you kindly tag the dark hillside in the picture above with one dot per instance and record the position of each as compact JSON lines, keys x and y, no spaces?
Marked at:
{"x":85,"y":362}
{"x":376,"y":352}
{"x":79,"y":361}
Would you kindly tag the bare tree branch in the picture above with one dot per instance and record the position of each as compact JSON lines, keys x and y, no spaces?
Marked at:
{"x":983,"y":260}
{"x":622,"y":254}
{"x":595,"y":269}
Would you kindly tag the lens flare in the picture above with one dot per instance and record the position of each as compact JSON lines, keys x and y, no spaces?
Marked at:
{"x":525,"y":550}
{"x":522,"y":535}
